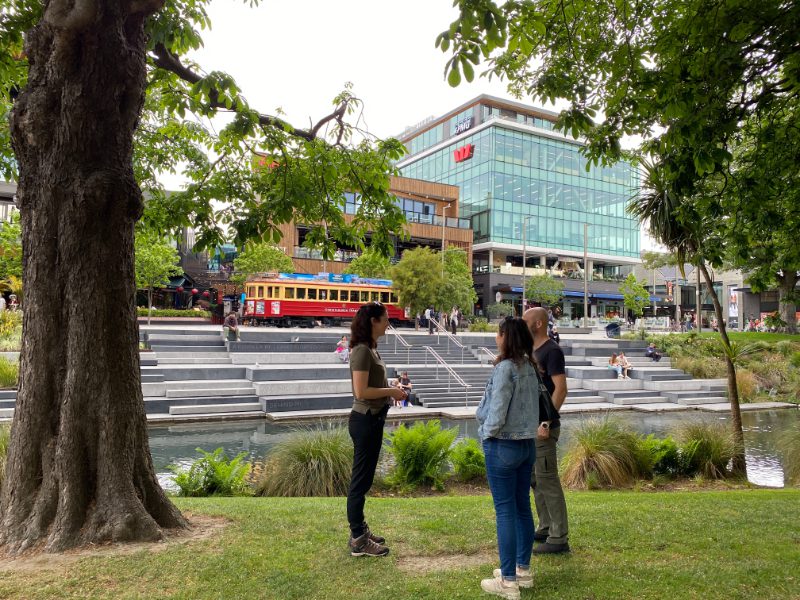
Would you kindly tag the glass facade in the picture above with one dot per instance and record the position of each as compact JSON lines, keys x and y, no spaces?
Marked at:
{"x":515,"y":174}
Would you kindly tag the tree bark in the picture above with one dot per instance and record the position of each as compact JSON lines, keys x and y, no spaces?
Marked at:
{"x":739,"y":465}
{"x":79,"y":469}
{"x":786,"y":299}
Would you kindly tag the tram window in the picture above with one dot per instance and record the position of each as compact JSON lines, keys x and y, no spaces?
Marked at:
{"x":276,"y":292}
{"x":323,"y":294}
{"x":312,"y":294}
{"x":394,"y":298}
{"x":385,"y":297}
{"x":261,"y":291}
{"x":301,"y":293}
{"x":375,"y":296}
{"x":364,"y":297}
{"x":251,"y":290}
{"x":288,"y":293}
{"x":335,"y":295}
{"x":353,"y":296}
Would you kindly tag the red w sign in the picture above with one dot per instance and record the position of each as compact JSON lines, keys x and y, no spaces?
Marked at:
{"x":463,"y":153}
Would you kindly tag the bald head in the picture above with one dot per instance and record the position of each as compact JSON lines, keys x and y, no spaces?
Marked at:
{"x":536,"y":319}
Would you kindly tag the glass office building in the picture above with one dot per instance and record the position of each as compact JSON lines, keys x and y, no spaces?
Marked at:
{"x":521,"y":180}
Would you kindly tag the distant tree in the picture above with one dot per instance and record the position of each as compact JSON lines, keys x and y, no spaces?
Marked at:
{"x":457,"y":289}
{"x":11,"y":248}
{"x":156,"y":260}
{"x":370,"y":263}
{"x":260,"y":258}
{"x":635,"y":295}
{"x":499,"y":310}
{"x":544,"y":289}
{"x":417,"y":279}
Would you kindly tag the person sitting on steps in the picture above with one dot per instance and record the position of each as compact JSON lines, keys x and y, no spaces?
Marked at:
{"x":614,"y":364}
{"x":652,"y":352}
{"x":625,"y":364}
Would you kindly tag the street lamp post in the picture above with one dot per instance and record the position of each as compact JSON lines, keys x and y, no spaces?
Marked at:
{"x":444,"y":220}
{"x":524,"y":260}
{"x":585,"y":275}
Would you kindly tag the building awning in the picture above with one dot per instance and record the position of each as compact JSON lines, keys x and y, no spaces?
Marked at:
{"x":573,"y":294}
{"x":180,"y":281}
{"x":603,"y":296}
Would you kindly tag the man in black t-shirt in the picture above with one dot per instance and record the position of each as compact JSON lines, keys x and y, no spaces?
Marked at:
{"x":551,"y":506}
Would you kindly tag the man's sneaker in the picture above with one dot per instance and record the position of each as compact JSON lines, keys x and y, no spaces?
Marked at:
{"x":499,"y":587}
{"x":364,"y":546}
{"x":524,"y":578}
{"x":548,"y":548}
{"x":375,"y":538}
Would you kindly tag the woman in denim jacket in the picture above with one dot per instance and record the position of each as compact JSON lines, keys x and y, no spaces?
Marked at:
{"x":508,"y":416}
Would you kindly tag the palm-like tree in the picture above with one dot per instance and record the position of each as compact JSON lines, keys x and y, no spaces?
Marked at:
{"x":674,"y":221}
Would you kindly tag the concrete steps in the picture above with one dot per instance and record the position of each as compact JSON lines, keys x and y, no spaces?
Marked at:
{"x":570,"y":399}
{"x":194,"y":392}
{"x":215,"y":408}
{"x":691,"y":401}
{"x":629,"y":400}
{"x":181,"y":360}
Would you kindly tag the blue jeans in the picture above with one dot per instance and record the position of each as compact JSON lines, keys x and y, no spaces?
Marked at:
{"x":509,"y":464}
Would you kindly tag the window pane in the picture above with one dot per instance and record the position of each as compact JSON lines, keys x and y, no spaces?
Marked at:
{"x":375,"y":296}
{"x":301,"y":293}
{"x":335,"y":295}
{"x":353,"y":295}
{"x":364,"y":296}
{"x":385,"y":297}
{"x":261,"y":291}
{"x":288,"y":293}
{"x":312,"y":294}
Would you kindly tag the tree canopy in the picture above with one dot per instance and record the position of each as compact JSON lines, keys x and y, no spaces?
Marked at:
{"x":457,"y":288}
{"x":369,"y":264}
{"x":247,"y":177}
{"x":544,"y":289}
{"x":156,"y":261}
{"x":635,"y":295}
{"x":417,"y":278}
{"x":260,"y":258}
{"x":11,"y":248}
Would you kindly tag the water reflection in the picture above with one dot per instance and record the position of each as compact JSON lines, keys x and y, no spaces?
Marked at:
{"x":176,"y":444}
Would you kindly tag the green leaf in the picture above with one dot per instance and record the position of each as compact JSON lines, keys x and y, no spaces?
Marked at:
{"x":454,"y":77}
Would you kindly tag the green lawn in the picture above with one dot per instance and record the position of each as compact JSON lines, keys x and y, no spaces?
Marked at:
{"x":730,"y":544}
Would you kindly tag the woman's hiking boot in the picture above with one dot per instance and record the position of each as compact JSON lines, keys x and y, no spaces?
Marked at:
{"x":364,"y":546}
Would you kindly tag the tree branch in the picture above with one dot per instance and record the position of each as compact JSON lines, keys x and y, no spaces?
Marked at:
{"x":71,"y":16}
{"x":168,"y":61}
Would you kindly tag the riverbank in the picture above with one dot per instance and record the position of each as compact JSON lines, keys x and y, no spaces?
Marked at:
{"x":625,"y":545}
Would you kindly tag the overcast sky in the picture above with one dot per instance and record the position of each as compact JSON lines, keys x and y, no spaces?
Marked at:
{"x":297,"y":55}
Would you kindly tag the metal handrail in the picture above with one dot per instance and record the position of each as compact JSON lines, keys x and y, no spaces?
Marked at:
{"x":488,"y":352}
{"x":450,"y":336}
{"x":403,"y":342}
{"x":451,"y":372}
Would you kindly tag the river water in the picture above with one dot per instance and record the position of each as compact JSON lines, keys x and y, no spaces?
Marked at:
{"x":177,"y":444}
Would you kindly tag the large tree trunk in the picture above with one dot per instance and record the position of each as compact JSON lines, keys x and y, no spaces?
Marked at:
{"x":79,"y":469}
{"x":786,"y":299}
{"x":739,"y":464}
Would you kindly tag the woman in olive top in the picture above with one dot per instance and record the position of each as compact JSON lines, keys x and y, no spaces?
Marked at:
{"x":372,"y":397}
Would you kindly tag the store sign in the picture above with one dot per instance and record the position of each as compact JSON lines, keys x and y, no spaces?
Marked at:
{"x":463,"y":125}
{"x":463,"y":153}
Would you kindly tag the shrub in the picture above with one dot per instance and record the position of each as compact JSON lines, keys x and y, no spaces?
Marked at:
{"x":468,"y":460}
{"x":309,"y":463}
{"x":701,"y":367}
{"x":499,"y":310}
{"x":213,"y":475}
{"x":795,"y":360}
{"x":10,"y":330}
{"x":789,"y":445}
{"x":172,"y":312}
{"x":770,"y":371}
{"x":707,"y":448}
{"x":747,"y":384}
{"x":5,"y":438}
{"x":9,"y":373}
{"x":663,"y":455}
{"x":482,"y":325}
{"x":785,"y":348}
{"x":604,"y":453}
{"x":420,"y":454}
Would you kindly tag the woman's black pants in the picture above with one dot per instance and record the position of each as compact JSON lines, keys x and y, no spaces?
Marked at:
{"x":366,"y":432}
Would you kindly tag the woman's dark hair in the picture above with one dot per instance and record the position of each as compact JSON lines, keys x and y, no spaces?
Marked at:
{"x":517,"y":344}
{"x":361,"y":326}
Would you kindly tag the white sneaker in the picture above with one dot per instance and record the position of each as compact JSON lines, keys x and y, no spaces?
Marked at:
{"x":499,"y":587}
{"x":524,"y":578}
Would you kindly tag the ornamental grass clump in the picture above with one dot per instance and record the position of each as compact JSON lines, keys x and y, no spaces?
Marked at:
{"x":213,"y":475}
{"x":603,"y":453}
{"x":707,"y":449}
{"x":421,"y":453}
{"x":9,"y":372}
{"x":468,"y":460}
{"x":311,"y":462}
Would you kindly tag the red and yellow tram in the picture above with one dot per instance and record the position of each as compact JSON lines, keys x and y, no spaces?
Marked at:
{"x":287,"y":300}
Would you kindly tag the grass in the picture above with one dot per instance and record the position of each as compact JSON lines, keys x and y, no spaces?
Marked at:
{"x":9,"y":373}
{"x":754,"y":336}
{"x":625,"y":545}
